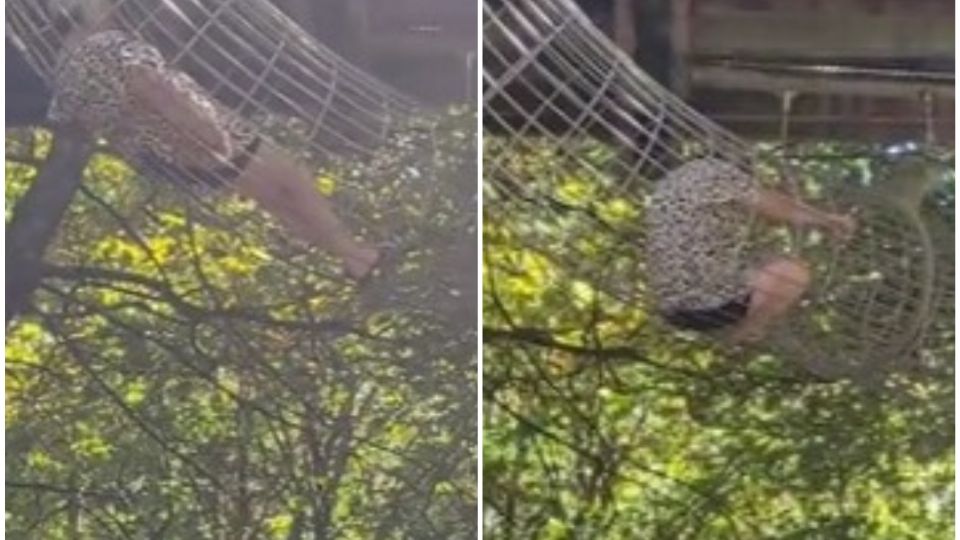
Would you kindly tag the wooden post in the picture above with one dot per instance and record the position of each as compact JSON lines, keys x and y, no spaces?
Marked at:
{"x":625,"y":25}
{"x":358,"y":21}
{"x":680,"y":45}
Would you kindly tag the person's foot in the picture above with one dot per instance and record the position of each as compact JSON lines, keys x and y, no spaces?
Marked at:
{"x":359,"y":265}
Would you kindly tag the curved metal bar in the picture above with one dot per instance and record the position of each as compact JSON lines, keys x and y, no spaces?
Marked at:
{"x":562,"y":101}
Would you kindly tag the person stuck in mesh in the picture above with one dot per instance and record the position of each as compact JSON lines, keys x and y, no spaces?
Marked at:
{"x":697,"y":222}
{"x":118,"y":87}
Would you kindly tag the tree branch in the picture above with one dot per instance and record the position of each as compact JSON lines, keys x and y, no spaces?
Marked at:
{"x":38,"y":215}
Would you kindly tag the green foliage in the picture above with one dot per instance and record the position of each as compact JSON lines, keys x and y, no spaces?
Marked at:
{"x":598,"y":423}
{"x":190,"y":372}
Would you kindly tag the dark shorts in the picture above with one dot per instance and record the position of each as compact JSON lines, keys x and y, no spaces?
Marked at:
{"x":706,"y":319}
{"x":214,"y":178}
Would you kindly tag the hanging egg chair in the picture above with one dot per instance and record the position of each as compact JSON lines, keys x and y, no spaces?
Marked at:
{"x":262,"y":71}
{"x":577,"y":140}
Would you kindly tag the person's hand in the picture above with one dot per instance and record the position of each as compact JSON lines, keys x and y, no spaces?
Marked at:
{"x":840,"y":226}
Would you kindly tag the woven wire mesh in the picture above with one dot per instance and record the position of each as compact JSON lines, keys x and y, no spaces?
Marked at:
{"x":247,"y":55}
{"x":260,"y":70}
{"x":263,"y":72}
{"x":562,"y":102}
{"x":400,"y":173}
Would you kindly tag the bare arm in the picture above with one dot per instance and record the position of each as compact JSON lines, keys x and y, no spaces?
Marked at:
{"x":782,"y":208}
{"x":162,"y":96}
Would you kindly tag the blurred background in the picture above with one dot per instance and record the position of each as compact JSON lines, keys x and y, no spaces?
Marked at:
{"x":426,"y":48}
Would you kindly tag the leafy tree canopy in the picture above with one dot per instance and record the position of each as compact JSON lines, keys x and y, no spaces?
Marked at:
{"x":599,"y":423}
{"x":187,"y":371}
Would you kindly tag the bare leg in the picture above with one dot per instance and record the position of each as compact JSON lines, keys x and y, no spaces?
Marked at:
{"x":286,"y":190}
{"x":775,"y":288}
{"x":275,"y":180}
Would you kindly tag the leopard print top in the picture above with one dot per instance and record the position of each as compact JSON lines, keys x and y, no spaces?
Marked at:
{"x":697,"y":233}
{"x":90,"y":88}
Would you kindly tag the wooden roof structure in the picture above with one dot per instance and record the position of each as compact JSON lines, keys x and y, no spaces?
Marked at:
{"x":870,"y":70}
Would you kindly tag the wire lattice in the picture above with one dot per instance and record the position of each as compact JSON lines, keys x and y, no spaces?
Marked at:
{"x":249,"y":57}
{"x":562,"y":103}
{"x":262,"y":71}
{"x":385,"y":155}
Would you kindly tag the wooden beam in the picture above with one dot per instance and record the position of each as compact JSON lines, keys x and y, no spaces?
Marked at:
{"x":830,"y":29}
{"x":758,"y":115}
{"x":763,"y":128}
{"x":777,"y":83}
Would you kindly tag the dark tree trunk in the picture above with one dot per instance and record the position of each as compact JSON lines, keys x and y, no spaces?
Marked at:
{"x":37,"y":217}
